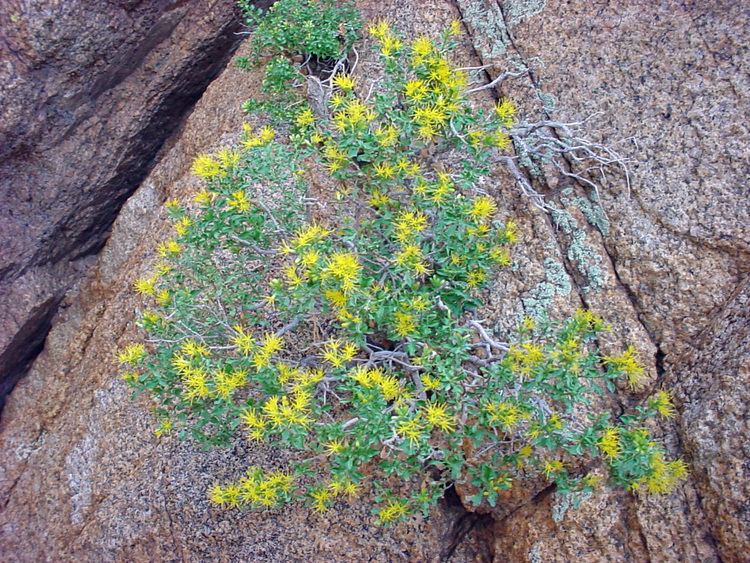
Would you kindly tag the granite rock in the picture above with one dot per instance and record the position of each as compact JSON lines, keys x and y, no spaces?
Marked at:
{"x":88,"y":94}
{"x":664,"y":260}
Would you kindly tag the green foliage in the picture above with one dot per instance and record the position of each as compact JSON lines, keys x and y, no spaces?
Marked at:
{"x":316,"y":30}
{"x":346,"y":330}
{"x":280,"y":72}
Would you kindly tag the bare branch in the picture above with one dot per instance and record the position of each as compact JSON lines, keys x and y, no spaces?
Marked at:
{"x":497,"y":81}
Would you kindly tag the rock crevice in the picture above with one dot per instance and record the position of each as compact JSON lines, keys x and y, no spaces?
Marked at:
{"x":88,"y":98}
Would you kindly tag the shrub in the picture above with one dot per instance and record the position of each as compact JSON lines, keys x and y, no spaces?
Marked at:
{"x":350,"y":334}
{"x":317,"y":31}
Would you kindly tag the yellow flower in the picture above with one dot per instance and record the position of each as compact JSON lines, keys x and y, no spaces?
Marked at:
{"x":588,"y":320}
{"x":482,"y":208}
{"x":130,"y":377}
{"x":253,"y":420}
{"x":419,"y":303}
{"x":243,"y":340}
{"x":500,"y":256}
{"x":337,"y":354}
{"x":506,"y":112}
{"x":386,"y":136}
{"x":379,"y":199}
{"x":310,"y":258}
{"x":475,"y":278}
{"x":203,"y":197}
{"x":305,"y":118}
{"x":627,"y":364}
{"x":196,"y":385}
{"x":555,"y":422}
{"x":228,"y":158}
{"x":151,"y":318}
{"x":380,"y":29}
{"x":430,"y":383}
{"x":238,"y":201}
{"x":363,"y":376}
{"x":427,"y":132}
{"x":662,"y":403}
{"x":454,"y":29}
{"x":145,"y":286}
{"x":345,"y":268}
{"x":193,"y":349}
{"x":204,"y":166}
{"x":232,"y":496}
{"x":443,"y":188}
{"x":169,"y":248}
{"x":351,"y":490}
{"x":411,"y":429}
{"x":592,"y":480}
{"x":389,"y":386}
{"x":394,"y":510}
{"x":349,"y":351}
{"x":409,"y":224}
{"x":309,"y":235}
{"x":337,"y":100}
{"x":321,"y":499}
{"x":334,"y":447}
{"x":609,"y":443}
{"x":421,"y":47}
{"x":354,"y":115}
{"x":216,"y":495}
{"x":181,"y":364}
{"x":271,"y":343}
{"x":131,"y":354}
{"x":391,"y":45}
{"x":267,"y":134}
{"x":173,"y":205}
{"x":301,"y":399}
{"x":415,"y":90}
{"x":438,"y":417}
{"x":440,"y":72}
{"x":501,"y":140}
{"x":182,"y":226}
{"x":226,"y":383}
{"x":384,"y":170}
{"x":163,"y":297}
{"x":344,"y":82}
{"x":337,"y":298}
{"x":476,"y":137}
{"x":404,"y":323}
{"x":432,"y":115}
{"x":510,"y":233}
{"x":505,"y":414}
{"x":410,"y":256}
{"x":553,"y":467}
{"x":664,"y":476}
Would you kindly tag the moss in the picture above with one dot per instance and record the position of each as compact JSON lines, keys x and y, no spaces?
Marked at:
{"x":593,"y":212}
{"x":591,"y":209}
{"x":556,"y":282}
{"x":566,"y":501}
{"x":585,"y":258}
{"x":549,"y":102}
{"x":490,"y":36}
{"x":563,"y":220}
{"x":535,"y":555}
{"x":529,"y":161}
{"x":518,"y":10}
